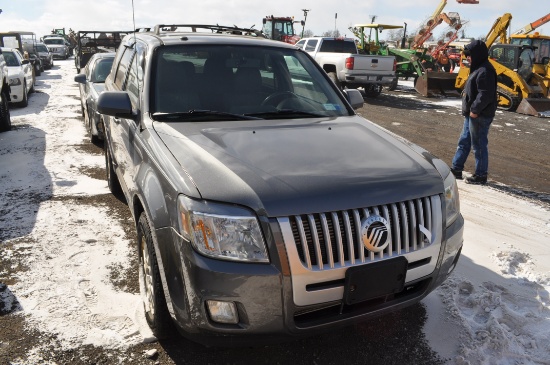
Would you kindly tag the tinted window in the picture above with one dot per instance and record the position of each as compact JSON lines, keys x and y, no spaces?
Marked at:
{"x":241,"y":80}
{"x":311,"y":44}
{"x":338,"y":46}
{"x":102,"y":69}
{"x":11,"y":59}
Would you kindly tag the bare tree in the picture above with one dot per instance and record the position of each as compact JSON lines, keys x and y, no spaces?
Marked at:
{"x":331,"y":33}
{"x":308,"y":33}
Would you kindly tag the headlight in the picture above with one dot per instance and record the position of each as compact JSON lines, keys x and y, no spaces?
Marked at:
{"x":222,"y":232}
{"x":15,"y":82}
{"x":452,"y":203}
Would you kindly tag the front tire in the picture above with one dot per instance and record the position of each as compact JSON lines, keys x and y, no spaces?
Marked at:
{"x":393,"y":85}
{"x":372,"y":90}
{"x":334,"y":78}
{"x":25,"y":101}
{"x":112,"y":179}
{"x":5,"y":118}
{"x":94,"y":139}
{"x":156,"y":311}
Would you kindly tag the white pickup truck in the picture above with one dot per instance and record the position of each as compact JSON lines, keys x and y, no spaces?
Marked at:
{"x":347,"y":68}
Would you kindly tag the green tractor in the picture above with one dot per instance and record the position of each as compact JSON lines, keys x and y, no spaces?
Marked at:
{"x":411,"y":63}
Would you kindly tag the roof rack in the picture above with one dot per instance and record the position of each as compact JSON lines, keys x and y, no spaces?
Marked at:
{"x":214,"y":28}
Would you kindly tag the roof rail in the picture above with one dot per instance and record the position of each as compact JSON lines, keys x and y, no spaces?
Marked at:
{"x":214,"y":28}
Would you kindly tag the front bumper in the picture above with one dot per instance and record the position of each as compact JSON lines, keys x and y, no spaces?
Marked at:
{"x":58,"y":53}
{"x":16,"y":93}
{"x":274,"y":302}
{"x":47,"y":61}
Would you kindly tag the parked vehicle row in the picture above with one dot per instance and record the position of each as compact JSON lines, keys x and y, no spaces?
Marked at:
{"x":5,"y":119}
{"x":22,"y":59}
{"x":91,"y":84}
{"x":265,"y":207}
{"x":20,"y":76}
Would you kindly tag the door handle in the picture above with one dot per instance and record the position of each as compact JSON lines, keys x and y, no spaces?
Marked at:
{"x":116,"y":120}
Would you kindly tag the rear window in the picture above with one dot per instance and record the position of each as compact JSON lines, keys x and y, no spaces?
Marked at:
{"x":338,"y":46}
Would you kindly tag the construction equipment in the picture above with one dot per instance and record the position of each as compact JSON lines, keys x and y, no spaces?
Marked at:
{"x":281,"y":28}
{"x":541,"y":43}
{"x":415,"y":63}
{"x":90,"y":42}
{"x":534,"y":25}
{"x":518,"y":87}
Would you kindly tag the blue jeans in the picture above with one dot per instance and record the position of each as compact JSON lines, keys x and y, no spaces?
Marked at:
{"x":474,"y":135}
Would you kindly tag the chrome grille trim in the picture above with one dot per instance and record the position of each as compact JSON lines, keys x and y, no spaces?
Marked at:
{"x":323,"y":244}
{"x":303,"y":263}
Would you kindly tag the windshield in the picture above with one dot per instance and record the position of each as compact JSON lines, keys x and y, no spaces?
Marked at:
{"x":269,"y":83}
{"x":53,"y":41}
{"x":102,"y":69}
{"x":10,"y":58}
{"x":42,"y":48}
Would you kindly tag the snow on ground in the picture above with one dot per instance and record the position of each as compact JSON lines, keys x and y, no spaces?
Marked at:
{"x":494,"y":309}
{"x":67,"y":289}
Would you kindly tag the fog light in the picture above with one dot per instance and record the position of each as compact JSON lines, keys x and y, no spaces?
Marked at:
{"x":222,"y":312}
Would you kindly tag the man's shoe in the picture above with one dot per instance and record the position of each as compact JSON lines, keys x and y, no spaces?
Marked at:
{"x":476,"y":180}
{"x":457,"y":174}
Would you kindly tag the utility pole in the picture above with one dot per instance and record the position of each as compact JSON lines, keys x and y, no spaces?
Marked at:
{"x":305,"y":18}
{"x":372,"y":21}
{"x":335,"y":31}
{"x":404,"y":39}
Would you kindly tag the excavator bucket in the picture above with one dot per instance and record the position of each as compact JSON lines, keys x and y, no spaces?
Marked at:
{"x":538,"y":107}
{"x":434,"y":82}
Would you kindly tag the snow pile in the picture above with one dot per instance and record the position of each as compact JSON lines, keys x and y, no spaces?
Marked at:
{"x":499,"y":326}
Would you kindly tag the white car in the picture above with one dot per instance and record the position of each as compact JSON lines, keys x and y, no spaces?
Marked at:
{"x":19,"y":75}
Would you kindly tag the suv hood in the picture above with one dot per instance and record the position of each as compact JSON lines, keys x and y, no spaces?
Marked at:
{"x":281,"y":168}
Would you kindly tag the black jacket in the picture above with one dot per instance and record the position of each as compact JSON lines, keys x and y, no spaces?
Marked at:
{"x":480,"y":93}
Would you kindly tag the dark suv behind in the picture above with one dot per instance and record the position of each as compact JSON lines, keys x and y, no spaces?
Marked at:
{"x":265,"y":207}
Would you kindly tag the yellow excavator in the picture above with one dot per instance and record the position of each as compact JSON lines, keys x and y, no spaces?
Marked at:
{"x":518,"y":87}
{"x":525,"y":36}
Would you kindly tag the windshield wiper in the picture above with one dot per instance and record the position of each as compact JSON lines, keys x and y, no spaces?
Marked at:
{"x":285,"y":113}
{"x":199,"y":114}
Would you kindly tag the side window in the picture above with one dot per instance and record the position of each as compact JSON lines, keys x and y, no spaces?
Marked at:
{"x":134,"y":85}
{"x":311,"y":44}
{"x":87,"y":70}
{"x":125,"y":61}
{"x":301,"y":43}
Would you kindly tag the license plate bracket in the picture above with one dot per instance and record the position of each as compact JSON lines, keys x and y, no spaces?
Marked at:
{"x":375,"y":280}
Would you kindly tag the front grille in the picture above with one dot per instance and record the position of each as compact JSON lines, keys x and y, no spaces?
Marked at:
{"x":328,"y":240}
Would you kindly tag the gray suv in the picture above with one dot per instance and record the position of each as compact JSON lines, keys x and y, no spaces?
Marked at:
{"x":265,"y":207}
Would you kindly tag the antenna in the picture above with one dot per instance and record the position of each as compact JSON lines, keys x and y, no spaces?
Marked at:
{"x":136,"y":61}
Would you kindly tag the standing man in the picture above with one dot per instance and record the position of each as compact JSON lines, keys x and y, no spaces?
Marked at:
{"x":443,"y":62}
{"x":479,"y":104}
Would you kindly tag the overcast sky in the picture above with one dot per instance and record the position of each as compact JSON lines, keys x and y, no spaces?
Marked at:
{"x":41,"y":16}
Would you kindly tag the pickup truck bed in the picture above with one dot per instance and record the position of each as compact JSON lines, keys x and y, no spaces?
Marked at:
{"x":347,"y":68}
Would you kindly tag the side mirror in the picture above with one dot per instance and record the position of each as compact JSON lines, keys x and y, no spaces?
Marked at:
{"x":25,"y":62}
{"x":354,"y":97}
{"x":303,"y":23}
{"x":80,"y":78}
{"x":116,"y":104}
